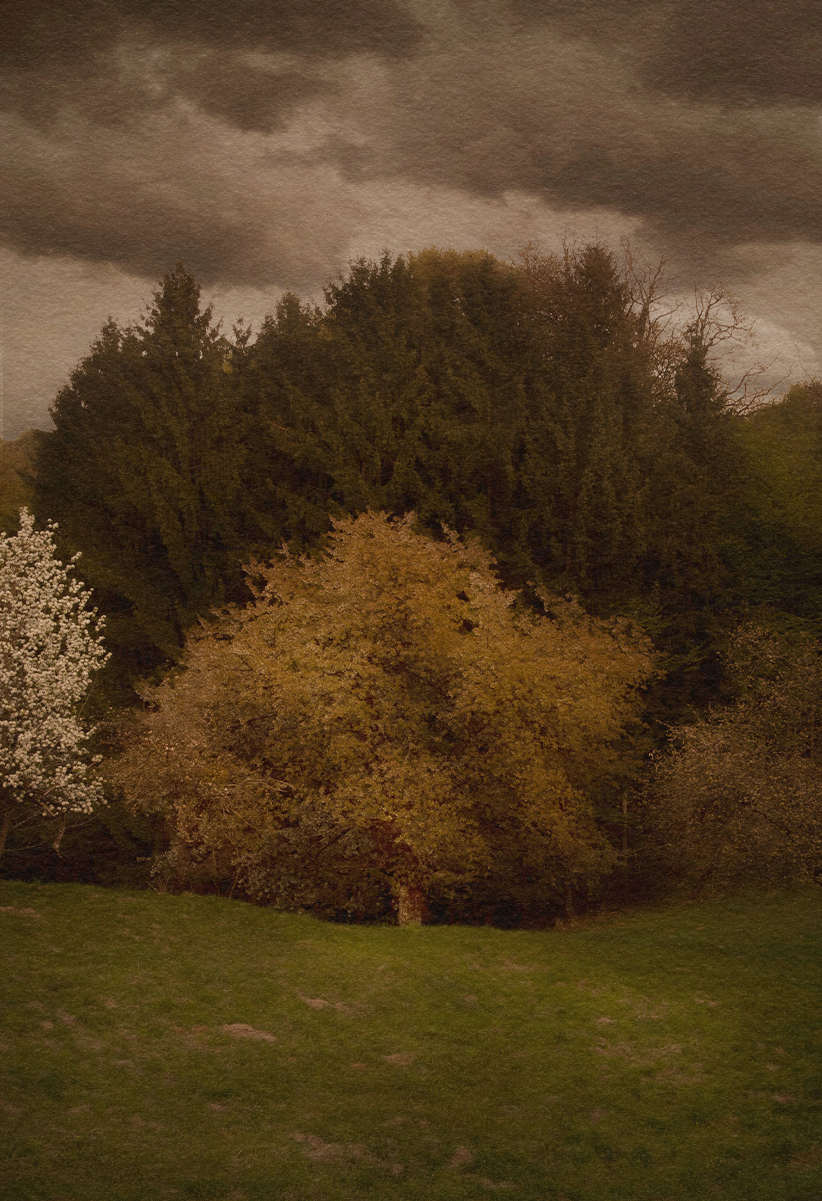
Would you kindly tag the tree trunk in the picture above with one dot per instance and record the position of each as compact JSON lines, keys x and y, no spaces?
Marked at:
{"x":182,"y":864}
{"x":569,"y":904}
{"x":413,"y":907}
{"x":61,"y":829}
{"x":5,"y":826}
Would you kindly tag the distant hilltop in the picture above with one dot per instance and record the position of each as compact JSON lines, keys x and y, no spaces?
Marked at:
{"x":16,"y":461}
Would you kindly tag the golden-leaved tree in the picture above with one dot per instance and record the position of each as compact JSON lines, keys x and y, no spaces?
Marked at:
{"x":392,"y":701}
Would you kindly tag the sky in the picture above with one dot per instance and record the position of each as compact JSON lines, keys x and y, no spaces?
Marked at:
{"x":268,"y":143}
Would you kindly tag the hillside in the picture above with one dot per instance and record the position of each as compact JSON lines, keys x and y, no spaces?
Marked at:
{"x":182,"y":1046}
{"x":16,"y":457}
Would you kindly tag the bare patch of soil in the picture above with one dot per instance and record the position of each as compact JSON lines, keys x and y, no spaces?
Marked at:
{"x":461,"y":1157}
{"x":675,"y":1075}
{"x":640,"y":1058}
{"x":321,"y":1152}
{"x":812,"y":1158}
{"x":316,"y":1149}
{"x":319,"y":1003}
{"x":645,"y":1011}
{"x":241,"y":1030}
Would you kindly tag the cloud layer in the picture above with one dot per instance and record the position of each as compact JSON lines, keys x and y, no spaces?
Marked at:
{"x":266,"y":141}
{"x":223,"y":130}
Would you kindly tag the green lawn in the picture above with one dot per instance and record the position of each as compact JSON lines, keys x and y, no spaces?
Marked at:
{"x":191,"y":1047}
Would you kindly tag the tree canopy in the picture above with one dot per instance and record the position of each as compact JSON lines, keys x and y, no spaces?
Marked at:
{"x":392,"y":698}
{"x":738,"y":797}
{"x":535,"y":403}
{"x":50,"y":647}
{"x":542,"y":408}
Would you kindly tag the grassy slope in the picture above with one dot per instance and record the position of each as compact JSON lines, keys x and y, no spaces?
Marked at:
{"x":668,"y":1055}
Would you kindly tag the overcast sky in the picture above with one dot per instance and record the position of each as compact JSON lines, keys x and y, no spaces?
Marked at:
{"x":266,"y":143}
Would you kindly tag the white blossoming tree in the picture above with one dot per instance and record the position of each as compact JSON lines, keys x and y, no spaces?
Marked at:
{"x":50,"y":646}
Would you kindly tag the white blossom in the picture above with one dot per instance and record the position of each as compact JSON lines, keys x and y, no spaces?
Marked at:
{"x":50,"y":645}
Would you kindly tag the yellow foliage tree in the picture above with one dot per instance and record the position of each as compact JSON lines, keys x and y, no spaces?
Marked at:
{"x":393,"y":697}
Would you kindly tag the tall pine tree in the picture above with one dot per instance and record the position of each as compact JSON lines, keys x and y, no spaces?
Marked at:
{"x":143,"y":472}
{"x":587,"y":423}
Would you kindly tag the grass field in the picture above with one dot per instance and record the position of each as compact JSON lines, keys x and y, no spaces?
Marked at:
{"x":191,"y":1047}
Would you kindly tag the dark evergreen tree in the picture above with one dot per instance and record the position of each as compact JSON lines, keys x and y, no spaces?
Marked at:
{"x":633,"y":467}
{"x":143,"y":472}
{"x":290,"y":427}
{"x":691,"y":568}
{"x":475,"y":361}
{"x":592,"y":402}
{"x":697,"y":470}
{"x":405,"y":393}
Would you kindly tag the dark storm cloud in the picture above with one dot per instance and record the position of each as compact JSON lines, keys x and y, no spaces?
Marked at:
{"x":310,"y":27}
{"x":180,"y":188}
{"x":109,"y":156}
{"x":691,"y":198}
{"x":43,"y":32}
{"x":55,"y":54}
{"x":733,"y":51}
{"x":71,"y":222}
{"x":566,"y":118}
{"x":741,"y":51}
{"x":240,"y":134}
{"x":249,"y":99}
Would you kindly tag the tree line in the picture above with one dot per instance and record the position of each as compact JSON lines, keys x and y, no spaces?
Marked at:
{"x":534,"y":404}
{"x":539,"y":407}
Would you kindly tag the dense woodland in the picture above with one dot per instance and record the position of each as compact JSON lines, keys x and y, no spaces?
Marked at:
{"x":547,"y":416}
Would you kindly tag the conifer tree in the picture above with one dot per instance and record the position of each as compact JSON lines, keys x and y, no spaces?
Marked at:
{"x":428,"y":390}
{"x":586,"y":462}
{"x":144,"y":471}
{"x":291,"y":439}
{"x":691,"y":564}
